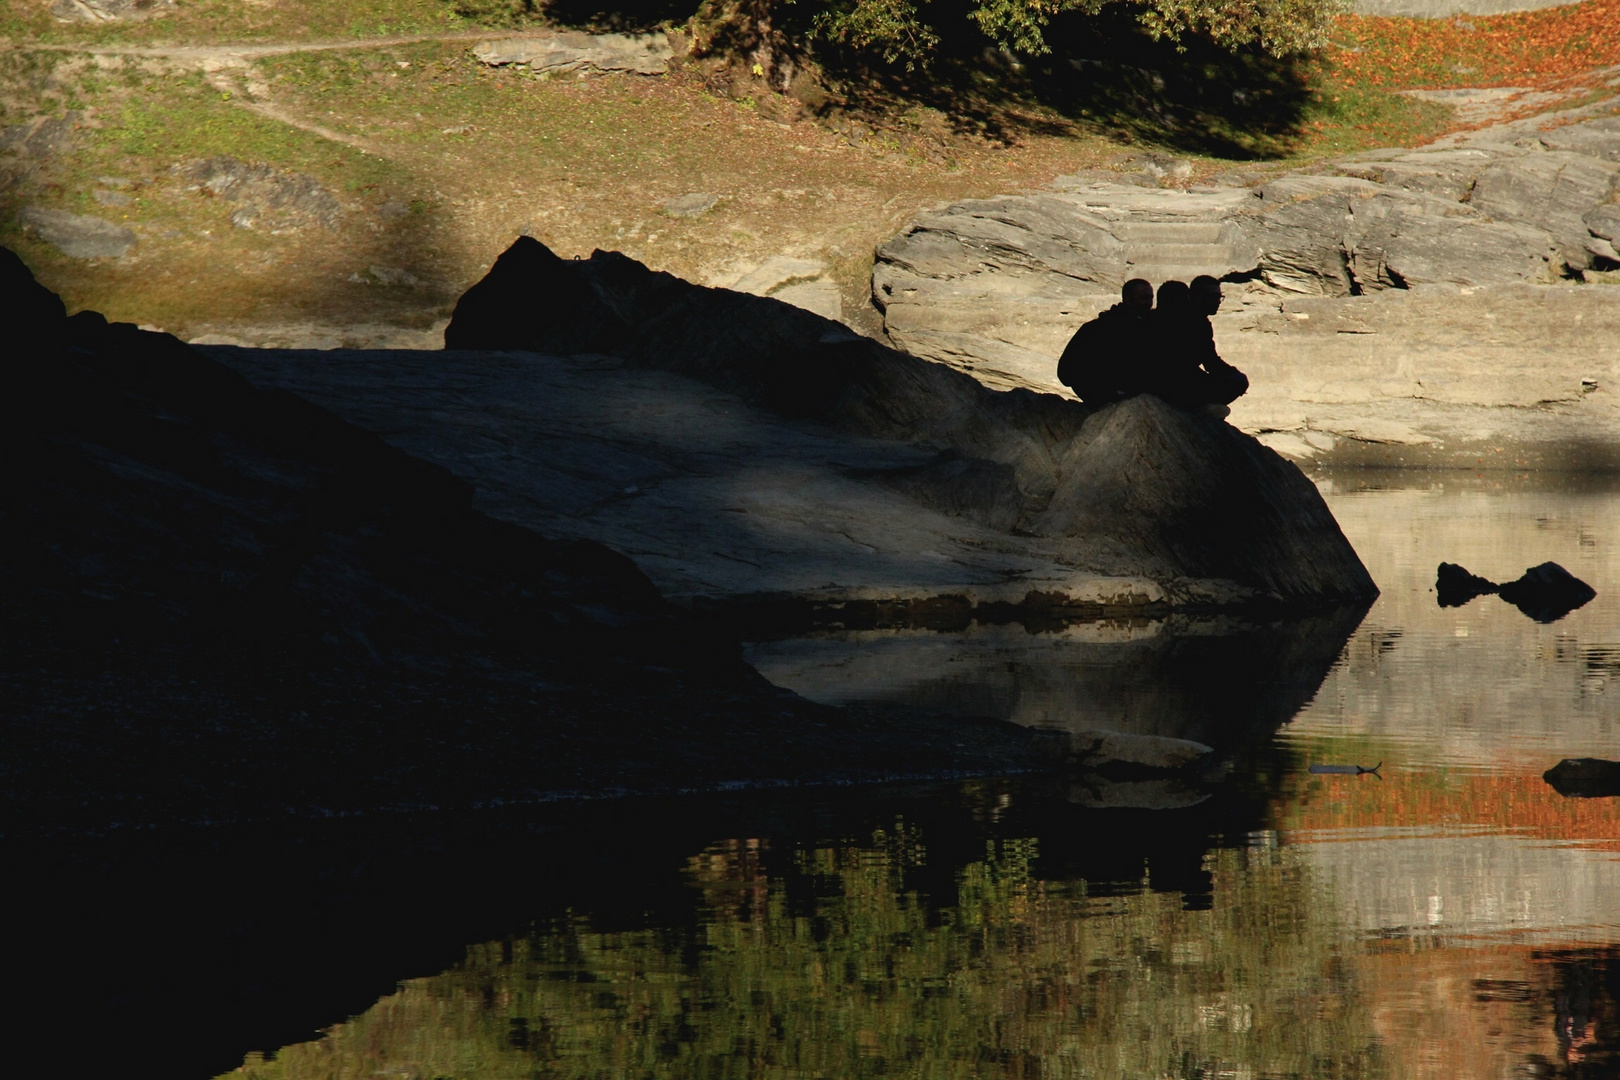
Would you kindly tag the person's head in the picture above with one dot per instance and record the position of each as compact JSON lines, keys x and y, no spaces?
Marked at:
{"x":1137,"y":293}
{"x":1174,"y":296}
{"x":1206,"y":295}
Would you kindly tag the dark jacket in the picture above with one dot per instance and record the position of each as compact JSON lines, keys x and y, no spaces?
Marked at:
{"x":1101,"y":361}
{"x":1183,"y":367}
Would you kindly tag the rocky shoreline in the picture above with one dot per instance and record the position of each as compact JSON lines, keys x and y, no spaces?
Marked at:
{"x":748,"y":452}
{"x":1448,"y":306}
{"x":227,"y":600}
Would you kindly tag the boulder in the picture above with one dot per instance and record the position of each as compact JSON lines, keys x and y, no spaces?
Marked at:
{"x":75,"y":235}
{"x":1454,"y":586}
{"x":569,"y":50}
{"x":1547,"y":592}
{"x":1140,"y":488}
{"x":225,"y":604}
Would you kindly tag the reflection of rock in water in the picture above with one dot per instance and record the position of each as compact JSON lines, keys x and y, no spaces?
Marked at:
{"x":1213,"y":680}
{"x":1584,"y":778}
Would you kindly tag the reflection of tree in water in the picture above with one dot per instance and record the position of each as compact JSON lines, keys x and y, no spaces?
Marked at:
{"x":835,"y":966}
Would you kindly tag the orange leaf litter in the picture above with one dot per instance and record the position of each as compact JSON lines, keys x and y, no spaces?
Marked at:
{"x":1525,"y":48}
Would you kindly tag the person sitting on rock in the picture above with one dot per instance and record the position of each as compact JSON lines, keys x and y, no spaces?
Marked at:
{"x":1185,"y":369}
{"x":1095,"y":363}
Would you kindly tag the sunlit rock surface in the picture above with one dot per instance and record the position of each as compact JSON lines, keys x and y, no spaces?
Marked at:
{"x":1401,"y":307}
{"x":740,"y":448}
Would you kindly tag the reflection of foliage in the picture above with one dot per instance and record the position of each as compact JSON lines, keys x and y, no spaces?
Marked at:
{"x":861,"y":978}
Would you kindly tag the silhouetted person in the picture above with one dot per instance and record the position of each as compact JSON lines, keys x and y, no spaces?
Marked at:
{"x":1184,"y":368}
{"x":1101,"y":362}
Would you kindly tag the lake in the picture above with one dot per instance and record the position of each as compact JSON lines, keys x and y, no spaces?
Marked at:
{"x":1449,"y":916}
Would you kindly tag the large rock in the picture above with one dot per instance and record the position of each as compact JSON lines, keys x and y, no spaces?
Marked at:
{"x":1603,"y":232}
{"x":570,"y":50}
{"x":1202,"y":511}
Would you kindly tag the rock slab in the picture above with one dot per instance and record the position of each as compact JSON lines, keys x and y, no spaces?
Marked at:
{"x":565,"y":51}
{"x":77,"y":236}
{"x":1137,"y":490}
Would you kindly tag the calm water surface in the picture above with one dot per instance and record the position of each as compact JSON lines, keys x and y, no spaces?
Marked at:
{"x":1452,"y":917}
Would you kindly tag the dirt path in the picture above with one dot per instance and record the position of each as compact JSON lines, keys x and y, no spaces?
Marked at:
{"x":236,"y":55}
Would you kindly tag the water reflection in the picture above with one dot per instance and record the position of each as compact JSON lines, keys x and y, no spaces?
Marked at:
{"x":826,"y":961}
{"x":1221,"y":681}
{"x":1453,"y":917}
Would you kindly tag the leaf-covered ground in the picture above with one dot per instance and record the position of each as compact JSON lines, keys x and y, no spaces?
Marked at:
{"x":1525,"y":48}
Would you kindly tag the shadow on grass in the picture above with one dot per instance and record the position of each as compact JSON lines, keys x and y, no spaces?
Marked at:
{"x":1106,"y":76}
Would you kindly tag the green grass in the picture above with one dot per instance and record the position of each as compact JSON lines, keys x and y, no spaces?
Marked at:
{"x":230,"y":21}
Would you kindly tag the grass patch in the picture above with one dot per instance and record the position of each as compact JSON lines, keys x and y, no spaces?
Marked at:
{"x":190,"y":119}
{"x":232,"y":21}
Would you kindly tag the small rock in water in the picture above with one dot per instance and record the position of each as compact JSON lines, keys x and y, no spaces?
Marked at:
{"x":1584,"y":777}
{"x":77,"y":236}
{"x":1455,"y":586}
{"x":1546,"y":593}
{"x":691,"y":205}
{"x":1347,"y":770}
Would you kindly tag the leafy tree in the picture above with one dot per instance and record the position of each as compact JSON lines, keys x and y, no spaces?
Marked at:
{"x":902,"y":30}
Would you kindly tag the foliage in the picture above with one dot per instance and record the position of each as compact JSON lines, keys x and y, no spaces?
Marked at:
{"x":1519,"y":48}
{"x":898,"y":27}
{"x":840,"y":968}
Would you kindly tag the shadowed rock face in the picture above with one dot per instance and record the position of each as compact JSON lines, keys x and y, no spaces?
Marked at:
{"x":224,"y":603}
{"x":1137,"y":488}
